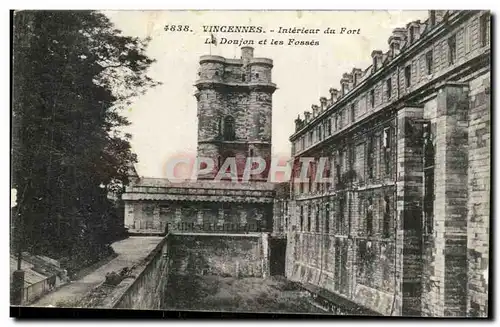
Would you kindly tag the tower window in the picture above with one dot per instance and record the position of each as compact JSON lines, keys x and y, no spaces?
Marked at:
{"x":243,"y":77}
{"x":353,"y":112}
{"x":257,"y":75}
{"x":228,"y":129}
{"x":372,"y":98}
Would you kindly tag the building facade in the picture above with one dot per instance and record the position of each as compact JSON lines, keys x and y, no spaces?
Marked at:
{"x":234,"y":99}
{"x":401,"y":226}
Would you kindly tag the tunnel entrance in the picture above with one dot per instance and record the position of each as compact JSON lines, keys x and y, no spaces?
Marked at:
{"x":277,"y":256}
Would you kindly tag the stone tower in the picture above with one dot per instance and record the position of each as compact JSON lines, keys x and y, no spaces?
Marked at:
{"x":235,"y":109}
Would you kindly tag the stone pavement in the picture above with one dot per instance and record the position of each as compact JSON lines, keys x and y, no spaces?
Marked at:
{"x":130,"y":251}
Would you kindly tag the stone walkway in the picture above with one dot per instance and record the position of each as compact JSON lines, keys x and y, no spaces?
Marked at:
{"x":130,"y":251}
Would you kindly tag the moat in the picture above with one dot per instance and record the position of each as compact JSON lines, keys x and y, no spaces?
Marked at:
{"x":215,"y":293}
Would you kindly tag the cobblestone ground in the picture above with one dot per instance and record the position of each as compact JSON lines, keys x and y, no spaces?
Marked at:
{"x":271,"y":295}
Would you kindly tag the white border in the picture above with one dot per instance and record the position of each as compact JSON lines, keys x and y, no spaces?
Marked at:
{"x":185,"y":4}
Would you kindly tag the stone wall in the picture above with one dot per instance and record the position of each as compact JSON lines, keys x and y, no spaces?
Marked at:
{"x":479,"y":172}
{"x":409,"y":210}
{"x":193,"y":254}
{"x":243,"y":255}
{"x":145,"y":288}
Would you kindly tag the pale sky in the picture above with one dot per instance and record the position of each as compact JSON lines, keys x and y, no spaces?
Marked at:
{"x":164,"y":122}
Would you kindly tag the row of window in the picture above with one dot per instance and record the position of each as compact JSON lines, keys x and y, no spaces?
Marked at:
{"x":341,"y":120}
{"x":369,"y":160}
{"x":341,"y":226}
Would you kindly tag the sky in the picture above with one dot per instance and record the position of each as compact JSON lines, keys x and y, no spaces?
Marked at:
{"x":164,"y":122}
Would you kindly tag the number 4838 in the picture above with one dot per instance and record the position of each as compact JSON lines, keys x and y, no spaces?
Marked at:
{"x":177,"y":28}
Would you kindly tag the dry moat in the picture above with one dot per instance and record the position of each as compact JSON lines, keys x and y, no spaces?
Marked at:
{"x":250,"y":294}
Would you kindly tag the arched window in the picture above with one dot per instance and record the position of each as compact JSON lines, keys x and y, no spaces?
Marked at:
{"x":228,"y":129}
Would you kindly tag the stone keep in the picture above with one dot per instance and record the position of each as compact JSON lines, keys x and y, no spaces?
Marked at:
{"x":235,"y":109}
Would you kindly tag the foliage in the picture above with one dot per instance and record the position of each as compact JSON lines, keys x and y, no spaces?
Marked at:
{"x":73,"y":74}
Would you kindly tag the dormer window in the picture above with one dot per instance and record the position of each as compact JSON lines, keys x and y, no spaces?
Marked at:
{"x":394,"y":48}
{"x":433,"y":17}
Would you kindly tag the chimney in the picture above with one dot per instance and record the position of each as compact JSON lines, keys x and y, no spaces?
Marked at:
{"x":377,"y":59}
{"x":315,"y":110}
{"x":334,"y":95}
{"x":307,"y":116}
{"x":396,"y":40}
{"x":413,"y":29}
{"x":356,"y":75}
{"x":346,"y":82}
{"x":322,"y":100}
{"x":298,"y":123}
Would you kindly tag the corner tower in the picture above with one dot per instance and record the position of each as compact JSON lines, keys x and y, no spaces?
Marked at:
{"x":235,"y":109}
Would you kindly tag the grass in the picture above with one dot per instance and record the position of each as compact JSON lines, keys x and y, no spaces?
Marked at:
{"x":217,"y":293}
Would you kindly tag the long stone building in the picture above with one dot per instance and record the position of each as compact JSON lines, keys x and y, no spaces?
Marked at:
{"x":234,"y":99}
{"x":403,"y":228}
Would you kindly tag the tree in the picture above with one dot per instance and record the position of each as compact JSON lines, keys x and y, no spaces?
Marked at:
{"x":73,"y":73}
